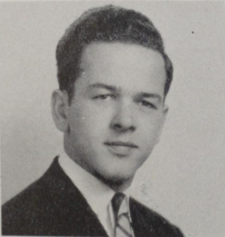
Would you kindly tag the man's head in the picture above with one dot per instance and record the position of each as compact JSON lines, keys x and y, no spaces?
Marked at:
{"x":105,"y":24}
{"x":113,"y":75}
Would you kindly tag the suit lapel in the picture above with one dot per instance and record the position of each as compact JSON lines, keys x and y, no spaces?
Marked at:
{"x":140,"y":223}
{"x":75,"y":216}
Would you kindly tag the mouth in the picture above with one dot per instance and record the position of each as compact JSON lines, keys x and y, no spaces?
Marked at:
{"x":121,"y":149}
{"x":122,"y":144}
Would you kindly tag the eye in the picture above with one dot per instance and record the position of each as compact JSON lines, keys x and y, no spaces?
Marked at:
{"x":104,"y":97}
{"x":147,"y":104}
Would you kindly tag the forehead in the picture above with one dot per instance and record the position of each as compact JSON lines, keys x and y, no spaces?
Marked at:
{"x":129,"y":66}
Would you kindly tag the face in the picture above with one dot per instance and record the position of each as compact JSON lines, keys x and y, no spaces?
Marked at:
{"x":117,"y":112}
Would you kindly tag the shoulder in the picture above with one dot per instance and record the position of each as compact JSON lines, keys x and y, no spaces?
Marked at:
{"x":31,"y":197}
{"x":23,"y":209}
{"x":49,"y":206}
{"x":153,"y":222}
{"x":33,"y":205}
{"x":26,"y":199}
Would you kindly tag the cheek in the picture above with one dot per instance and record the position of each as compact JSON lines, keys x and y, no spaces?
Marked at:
{"x":149,"y":130}
{"x":88,"y":121}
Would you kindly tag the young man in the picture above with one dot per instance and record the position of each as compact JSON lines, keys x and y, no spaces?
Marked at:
{"x":114,"y":76}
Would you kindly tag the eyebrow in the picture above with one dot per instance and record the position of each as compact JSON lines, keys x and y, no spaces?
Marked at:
{"x":104,"y":86}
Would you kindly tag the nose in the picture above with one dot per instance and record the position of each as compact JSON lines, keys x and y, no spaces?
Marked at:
{"x":123,"y":119}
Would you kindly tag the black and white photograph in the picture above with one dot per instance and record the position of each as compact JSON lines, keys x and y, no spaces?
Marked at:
{"x":112,"y":118}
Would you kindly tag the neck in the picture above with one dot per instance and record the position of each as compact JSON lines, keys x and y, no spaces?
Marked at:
{"x":116,"y":184}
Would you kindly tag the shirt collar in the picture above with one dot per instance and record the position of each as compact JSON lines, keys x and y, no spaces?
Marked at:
{"x":97,"y":194}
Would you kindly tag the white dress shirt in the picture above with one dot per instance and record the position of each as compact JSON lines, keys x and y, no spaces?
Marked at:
{"x":97,"y":194}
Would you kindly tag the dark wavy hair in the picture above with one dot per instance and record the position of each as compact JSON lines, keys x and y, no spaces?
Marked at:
{"x":105,"y":24}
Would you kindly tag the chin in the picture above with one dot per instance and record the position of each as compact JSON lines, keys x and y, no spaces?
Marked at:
{"x":115,"y":179}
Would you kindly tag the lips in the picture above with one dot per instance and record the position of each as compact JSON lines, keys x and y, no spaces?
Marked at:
{"x":120,"y":148}
{"x":122,"y":144}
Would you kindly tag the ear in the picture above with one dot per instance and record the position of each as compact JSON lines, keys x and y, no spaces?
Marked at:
{"x":60,"y":105}
{"x":162,"y":122}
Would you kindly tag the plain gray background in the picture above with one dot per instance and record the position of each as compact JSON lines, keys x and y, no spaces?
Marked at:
{"x":184,"y":179}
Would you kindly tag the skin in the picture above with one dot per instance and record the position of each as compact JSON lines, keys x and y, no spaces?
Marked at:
{"x":117,"y":113}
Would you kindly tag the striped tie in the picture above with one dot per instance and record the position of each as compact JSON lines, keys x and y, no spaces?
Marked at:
{"x":122,"y":223}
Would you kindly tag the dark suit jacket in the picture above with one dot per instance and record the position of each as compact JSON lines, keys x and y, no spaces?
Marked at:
{"x":54,"y":206}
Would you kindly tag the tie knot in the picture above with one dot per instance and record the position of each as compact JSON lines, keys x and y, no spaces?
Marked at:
{"x":116,"y":202}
